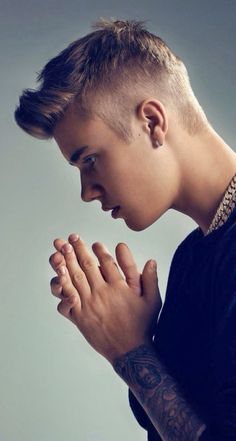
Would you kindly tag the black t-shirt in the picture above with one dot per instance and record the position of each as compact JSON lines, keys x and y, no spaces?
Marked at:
{"x":196,"y":332}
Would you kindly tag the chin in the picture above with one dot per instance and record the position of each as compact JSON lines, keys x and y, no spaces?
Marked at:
{"x":134,"y":226}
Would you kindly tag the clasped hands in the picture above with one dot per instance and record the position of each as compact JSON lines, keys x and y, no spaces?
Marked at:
{"x":115,"y":312}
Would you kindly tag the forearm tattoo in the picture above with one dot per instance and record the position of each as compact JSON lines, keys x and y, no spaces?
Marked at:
{"x":159,"y":394}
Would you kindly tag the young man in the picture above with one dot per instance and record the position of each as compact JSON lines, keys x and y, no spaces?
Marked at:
{"x":121,"y":108}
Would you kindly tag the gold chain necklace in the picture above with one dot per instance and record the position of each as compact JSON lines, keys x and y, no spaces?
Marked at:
{"x":225,"y":207}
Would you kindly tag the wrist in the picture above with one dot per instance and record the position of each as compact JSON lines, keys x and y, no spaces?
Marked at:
{"x":133,"y":353}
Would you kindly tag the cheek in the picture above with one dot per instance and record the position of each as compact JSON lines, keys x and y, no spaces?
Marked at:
{"x":140,"y":187}
{"x":137,"y":208}
{"x":132,"y":185}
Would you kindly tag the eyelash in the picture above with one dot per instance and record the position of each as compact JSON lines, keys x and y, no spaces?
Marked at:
{"x":88,"y":163}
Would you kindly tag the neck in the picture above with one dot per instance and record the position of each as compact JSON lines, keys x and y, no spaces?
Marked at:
{"x":207,"y":167}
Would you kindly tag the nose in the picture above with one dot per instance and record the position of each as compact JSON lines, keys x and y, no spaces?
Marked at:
{"x":90,"y":191}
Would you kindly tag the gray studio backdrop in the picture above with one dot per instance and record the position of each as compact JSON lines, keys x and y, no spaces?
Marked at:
{"x":54,"y":386}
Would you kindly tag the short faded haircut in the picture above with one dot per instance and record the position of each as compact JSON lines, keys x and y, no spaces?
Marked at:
{"x":107,"y":74}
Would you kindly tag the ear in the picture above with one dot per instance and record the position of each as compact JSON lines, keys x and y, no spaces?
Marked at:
{"x":153,"y":117}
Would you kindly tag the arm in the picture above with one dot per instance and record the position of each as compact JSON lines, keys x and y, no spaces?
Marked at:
{"x":159,"y":394}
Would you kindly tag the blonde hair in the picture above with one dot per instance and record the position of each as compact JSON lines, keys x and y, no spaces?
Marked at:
{"x":107,"y":73}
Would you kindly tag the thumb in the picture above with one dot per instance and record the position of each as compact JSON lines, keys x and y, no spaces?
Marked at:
{"x":150,"y":286}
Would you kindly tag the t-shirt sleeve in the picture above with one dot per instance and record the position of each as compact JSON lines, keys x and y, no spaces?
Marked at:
{"x":222,"y":422}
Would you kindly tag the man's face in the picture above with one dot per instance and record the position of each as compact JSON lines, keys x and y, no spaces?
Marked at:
{"x":131,"y":176}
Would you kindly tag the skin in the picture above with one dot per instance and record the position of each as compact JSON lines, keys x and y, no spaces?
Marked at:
{"x":103,"y":299}
{"x":119,"y":168}
{"x":175,"y":175}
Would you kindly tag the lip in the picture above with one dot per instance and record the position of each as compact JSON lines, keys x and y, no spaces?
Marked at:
{"x":115,"y":210}
{"x":107,"y":208}
{"x":104,"y":208}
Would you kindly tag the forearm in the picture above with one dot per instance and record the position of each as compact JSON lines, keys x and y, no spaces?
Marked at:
{"x":159,"y":394}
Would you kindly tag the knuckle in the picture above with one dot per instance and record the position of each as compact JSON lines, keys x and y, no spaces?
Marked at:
{"x":53,"y":291}
{"x":51,"y":258}
{"x":54,"y":281}
{"x":57,"y":293}
{"x":87,"y":263}
{"x":132,"y":283}
{"x":55,"y":286}
{"x":62,"y":307}
{"x":59,"y":307}
{"x":55,"y":259}
{"x":107,"y":258}
{"x":130,"y":267}
{"x":77,"y":277}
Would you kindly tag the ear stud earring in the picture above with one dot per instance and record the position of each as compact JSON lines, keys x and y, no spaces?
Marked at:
{"x":157,"y":143}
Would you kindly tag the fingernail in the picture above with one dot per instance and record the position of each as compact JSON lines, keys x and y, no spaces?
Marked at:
{"x":61,"y":270}
{"x":67,"y":248}
{"x":153,"y":265}
{"x":73,"y":237}
{"x":57,"y":281}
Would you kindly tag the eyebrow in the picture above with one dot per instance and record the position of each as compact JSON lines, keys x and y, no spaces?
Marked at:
{"x":77,"y":153}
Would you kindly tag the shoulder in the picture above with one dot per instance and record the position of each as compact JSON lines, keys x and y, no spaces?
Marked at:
{"x":225,"y":252}
{"x":225,"y":240}
{"x":224,"y":283}
{"x":182,"y":254}
{"x":185,"y":247}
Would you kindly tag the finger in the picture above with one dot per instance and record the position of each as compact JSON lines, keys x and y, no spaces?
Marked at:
{"x":150,"y":286}
{"x":56,"y":288}
{"x":86,"y":262}
{"x":58,"y":243}
{"x":109,"y":268}
{"x":70,"y":258}
{"x":56,"y":260}
{"x":77,"y":275}
{"x":129,"y":267}
{"x":151,"y":293}
{"x":67,"y":285}
{"x":65,"y":307}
